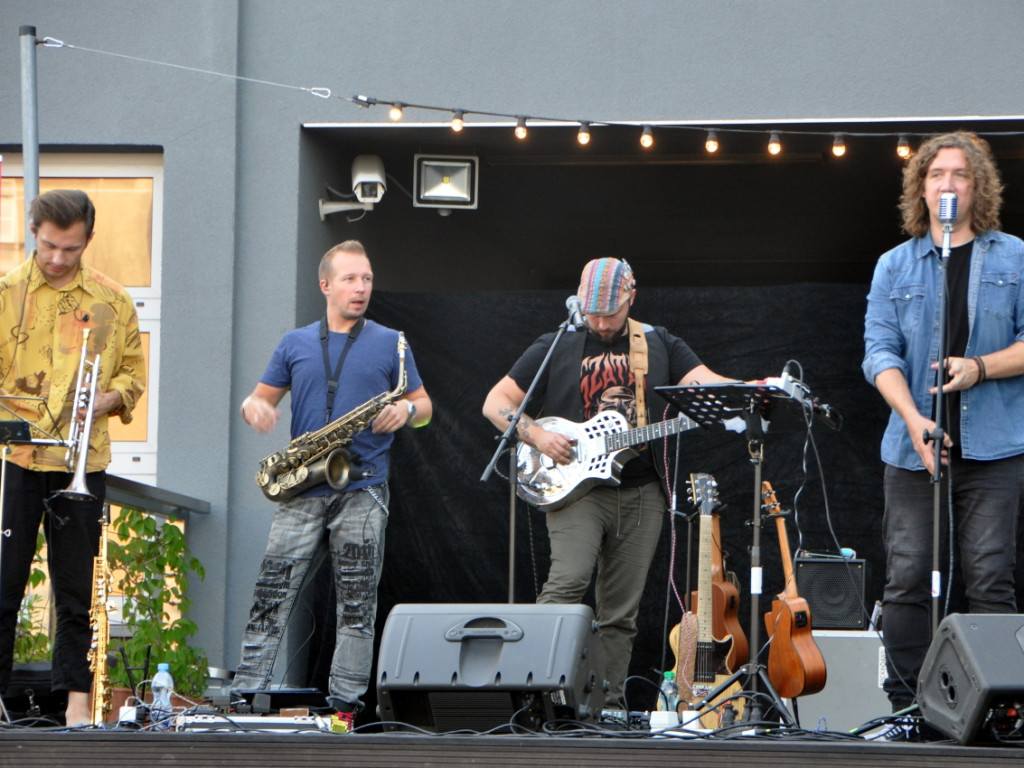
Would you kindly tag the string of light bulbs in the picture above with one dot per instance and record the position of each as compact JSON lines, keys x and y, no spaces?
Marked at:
{"x":712,"y":142}
{"x":397,"y":110}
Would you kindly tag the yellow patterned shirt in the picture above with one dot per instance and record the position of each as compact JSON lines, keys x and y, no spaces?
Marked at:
{"x":41,"y":332}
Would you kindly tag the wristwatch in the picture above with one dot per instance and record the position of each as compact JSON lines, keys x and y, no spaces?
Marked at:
{"x":410,"y":406}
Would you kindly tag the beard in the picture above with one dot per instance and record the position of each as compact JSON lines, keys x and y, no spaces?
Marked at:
{"x":609,"y":340}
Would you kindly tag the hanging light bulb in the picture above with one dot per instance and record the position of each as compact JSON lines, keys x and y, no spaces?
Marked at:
{"x":903,"y":147}
{"x":647,"y":137}
{"x":583,"y":137}
{"x":457,"y":121}
{"x":774,"y":145}
{"x":838,"y":146}
{"x":395,"y":113}
{"x":711,"y":142}
{"x":521,"y":128}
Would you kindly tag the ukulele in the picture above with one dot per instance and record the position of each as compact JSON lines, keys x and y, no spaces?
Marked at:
{"x":795,"y":664}
{"x":707,"y":645}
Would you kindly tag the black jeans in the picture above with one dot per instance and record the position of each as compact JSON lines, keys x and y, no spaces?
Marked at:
{"x":72,"y":533}
{"x":986,"y":502}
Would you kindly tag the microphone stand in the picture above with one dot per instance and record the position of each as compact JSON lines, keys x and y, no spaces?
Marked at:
{"x":938,"y":434}
{"x":513,"y":474}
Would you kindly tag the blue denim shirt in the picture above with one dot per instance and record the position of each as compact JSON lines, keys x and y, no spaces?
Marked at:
{"x":902,"y":331}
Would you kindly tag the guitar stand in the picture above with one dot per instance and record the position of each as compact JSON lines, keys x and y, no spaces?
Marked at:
{"x":786,"y":403}
{"x":754,"y":672}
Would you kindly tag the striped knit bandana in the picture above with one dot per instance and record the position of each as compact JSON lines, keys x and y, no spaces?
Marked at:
{"x":605,"y":285}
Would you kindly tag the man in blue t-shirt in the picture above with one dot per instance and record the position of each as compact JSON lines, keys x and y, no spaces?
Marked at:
{"x":342,"y":371}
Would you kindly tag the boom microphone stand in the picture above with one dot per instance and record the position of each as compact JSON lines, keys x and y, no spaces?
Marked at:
{"x":575,"y":319}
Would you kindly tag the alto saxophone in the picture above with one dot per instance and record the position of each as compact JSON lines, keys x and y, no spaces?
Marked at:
{"x":100,"y":621}
{"x":320,"y":456}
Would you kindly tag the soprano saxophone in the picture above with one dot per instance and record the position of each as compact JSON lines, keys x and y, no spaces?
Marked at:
{"x":320,"y":456}
{"x":100,"y":621}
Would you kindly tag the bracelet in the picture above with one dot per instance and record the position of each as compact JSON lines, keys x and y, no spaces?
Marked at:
{"x":982,"y":375}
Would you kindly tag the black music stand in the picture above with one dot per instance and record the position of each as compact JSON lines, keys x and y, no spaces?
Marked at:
{"x":784,"y":403}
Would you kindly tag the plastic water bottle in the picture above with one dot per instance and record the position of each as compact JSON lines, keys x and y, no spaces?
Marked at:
{"x":669,"y":698}
{"x":162,"y":687}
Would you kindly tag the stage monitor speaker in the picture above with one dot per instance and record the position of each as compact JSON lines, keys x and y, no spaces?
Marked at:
{"x":483,"y":666}
{"x":834,"y":590}
{"x":971,"y":685}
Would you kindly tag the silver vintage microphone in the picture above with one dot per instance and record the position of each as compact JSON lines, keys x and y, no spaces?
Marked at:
{"x":575,"y":311}
{"x":947,"y":215}
{"x":947,"y":207}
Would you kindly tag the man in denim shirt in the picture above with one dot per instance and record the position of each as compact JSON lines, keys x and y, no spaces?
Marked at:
{"x":982,"y":453}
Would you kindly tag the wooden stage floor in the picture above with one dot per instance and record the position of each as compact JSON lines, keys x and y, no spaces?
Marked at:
{"x":30,"y":747}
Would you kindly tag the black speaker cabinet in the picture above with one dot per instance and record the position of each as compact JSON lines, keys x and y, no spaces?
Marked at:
{"x":445,"y":667}
{"x":971,"y":685}
{"x":834,"y":590}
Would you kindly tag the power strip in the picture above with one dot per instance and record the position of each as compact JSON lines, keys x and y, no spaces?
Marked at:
{"x":207,"y":722}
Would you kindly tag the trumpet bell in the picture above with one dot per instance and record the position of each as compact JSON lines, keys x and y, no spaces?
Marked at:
{"x":78,"y":489}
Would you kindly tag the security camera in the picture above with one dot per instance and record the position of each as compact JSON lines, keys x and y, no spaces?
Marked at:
{"x":368,"y":178}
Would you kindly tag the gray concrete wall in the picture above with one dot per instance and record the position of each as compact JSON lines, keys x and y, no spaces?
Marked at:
{"x":240,"y":242}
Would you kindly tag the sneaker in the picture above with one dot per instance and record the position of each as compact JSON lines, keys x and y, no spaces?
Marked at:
{"x":343,"y":722}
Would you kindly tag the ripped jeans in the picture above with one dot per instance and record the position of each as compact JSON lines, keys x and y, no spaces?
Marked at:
{"x":354,"y":524}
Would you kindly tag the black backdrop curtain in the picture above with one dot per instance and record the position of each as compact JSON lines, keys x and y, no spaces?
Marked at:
{"x":448,"y":533}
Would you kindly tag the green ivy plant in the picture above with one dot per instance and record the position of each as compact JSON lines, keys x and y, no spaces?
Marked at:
{"x":154,"y":565}
{"x":31,"y":641}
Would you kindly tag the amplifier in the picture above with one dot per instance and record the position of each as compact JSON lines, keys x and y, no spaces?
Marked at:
{"x":834,"y":588}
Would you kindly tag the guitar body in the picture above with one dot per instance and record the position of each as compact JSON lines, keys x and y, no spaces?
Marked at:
{"x":692,"y":664}
{"x":602,"y":446}
{"x":795,"y":663}
{"x":543,"y":482}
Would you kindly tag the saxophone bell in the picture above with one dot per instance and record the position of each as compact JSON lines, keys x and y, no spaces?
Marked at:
{"x":338,"y":468}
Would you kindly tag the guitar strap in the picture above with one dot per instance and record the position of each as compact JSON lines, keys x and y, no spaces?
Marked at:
{"x":638,"y":365}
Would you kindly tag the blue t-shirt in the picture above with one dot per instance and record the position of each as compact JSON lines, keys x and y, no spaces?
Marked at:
{"x":371,"y":369}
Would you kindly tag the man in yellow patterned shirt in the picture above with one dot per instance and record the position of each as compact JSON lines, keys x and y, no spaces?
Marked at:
{"x":46,"y":306}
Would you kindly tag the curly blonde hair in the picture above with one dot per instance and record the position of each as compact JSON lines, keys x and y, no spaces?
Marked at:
{"x":986,"y":185}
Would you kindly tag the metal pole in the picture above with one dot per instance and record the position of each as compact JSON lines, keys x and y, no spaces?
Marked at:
{"x":29,"y":127}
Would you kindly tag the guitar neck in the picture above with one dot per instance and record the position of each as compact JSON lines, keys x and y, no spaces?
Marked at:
{"x":644,"y":434}
{"x":705,"y":610}
{"x":772,"y":505}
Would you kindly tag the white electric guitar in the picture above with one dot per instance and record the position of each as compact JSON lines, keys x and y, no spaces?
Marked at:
{"x":602,"y":447}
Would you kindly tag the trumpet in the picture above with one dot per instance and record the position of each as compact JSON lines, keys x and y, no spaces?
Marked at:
{"x":77,"y":455}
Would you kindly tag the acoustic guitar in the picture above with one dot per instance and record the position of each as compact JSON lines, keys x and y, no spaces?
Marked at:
{"x":795,"y":663}
{"x":710,"y":649}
